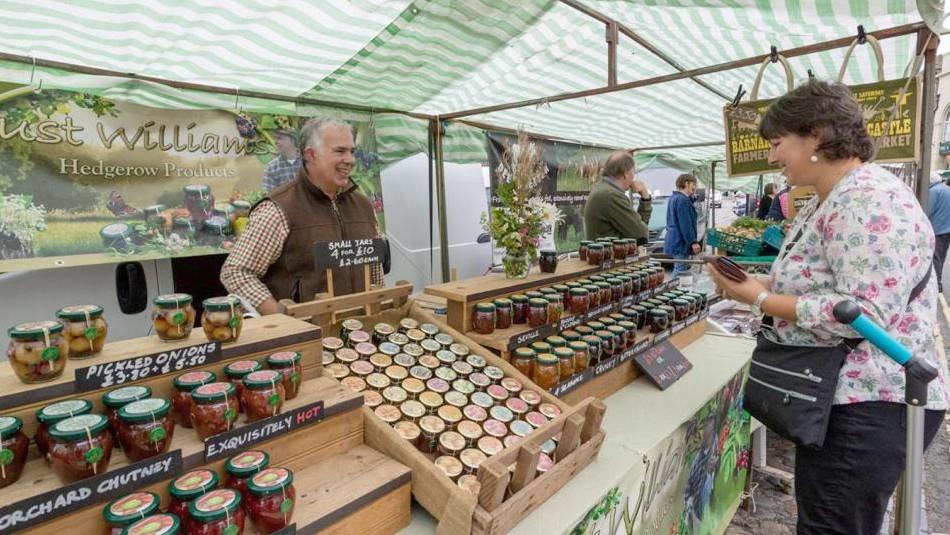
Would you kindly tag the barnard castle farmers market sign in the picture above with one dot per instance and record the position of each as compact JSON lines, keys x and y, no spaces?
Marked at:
{"x":86,"y":180}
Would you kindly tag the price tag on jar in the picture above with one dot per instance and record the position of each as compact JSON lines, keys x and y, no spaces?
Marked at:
{"x":109,"y":374}
{"x":348,"y":253}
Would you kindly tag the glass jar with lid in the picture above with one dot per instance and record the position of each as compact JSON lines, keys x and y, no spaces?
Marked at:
{"x":173,"y":316}
{"x":605,"y":292}
{"x":522,"y":359}
{"x":659,"y":320}
{"x":38,"y":351}
{"x":188,"y":487}
{"x":80,"y":447}
{"x":264,"y":394}
{"x":14,"y":447}
{"x":214,"y":408}
{"x":595,"y":254}
{"x":607,"y":345}
{"x":555,"y":308}
{"x":218,"y":512}
{"x":222,"y":319}
{"x":125,"y":511}
{"x":582,"y":249}
{"x":271,"y":499}
{"x":620,"y":338}
{"x":631,"y":332}
{"x":483,"y":320}
{"x":581,"y":355}
{"x":289,"y":364}
{"x":145,"y":428}
{"x":236,"y":372}
{"x":579,"y":301}
{"x":594,"y":348}
{"x":565,"y":357}
{"x":503,"y":313}
{"x":593,"y":295}
{"x":49,"y":415}
{"x":181,"y":399}
{"x":616,"y":288}
{"x":85,"y":328}
{"x":199,"y":201}
{"x":537,"y":312}
{"x":546,"y":374}
{"x":242,"y":467}
{"x":519,"y":309}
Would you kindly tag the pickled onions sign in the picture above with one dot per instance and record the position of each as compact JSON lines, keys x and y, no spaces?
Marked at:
{"x":86,"y":180}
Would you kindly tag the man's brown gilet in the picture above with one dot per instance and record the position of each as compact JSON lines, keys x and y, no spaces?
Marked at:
{"x":313,"y":217}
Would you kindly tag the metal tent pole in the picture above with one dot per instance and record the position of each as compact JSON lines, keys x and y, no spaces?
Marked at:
{"x":931,"y":41}
{"x":438,"y":132}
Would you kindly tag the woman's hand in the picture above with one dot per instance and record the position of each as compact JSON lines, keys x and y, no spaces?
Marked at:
{"x":744,"y":292}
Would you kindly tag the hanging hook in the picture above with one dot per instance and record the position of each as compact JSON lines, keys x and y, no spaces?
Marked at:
{"x":773,"y":55}
{"x":811,"y":74}
{"x":38,"y":88}
{"x":738,"y":97}
{"x":862,"y":37}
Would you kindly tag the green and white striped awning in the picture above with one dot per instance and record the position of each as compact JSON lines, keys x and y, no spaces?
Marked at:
{"x":440,"y":56}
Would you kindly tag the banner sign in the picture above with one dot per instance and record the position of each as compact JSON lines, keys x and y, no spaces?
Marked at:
{"x":898,"y":140}
{"x":87,"y":180}
{"x":690,"y":480}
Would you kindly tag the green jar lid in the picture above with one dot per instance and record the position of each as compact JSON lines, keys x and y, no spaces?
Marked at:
{"x":79,"y":312}
{"x":556,"y":341}
{"x":154,"y":209}
{"x":115,"y":231}
{"x":564,"y":352}
{"x":525,"y":353}
{"x":628,"y":325}
{"x":219,"y":504}
{"x":586,"y":242}
{"x":519,"y":298}
{"x":225,"y":303}
{"x":579,"y":291}
{"x":538,"y":302}
{"x":131,"y":508}
{"x":596,"y":325}
{"x":561,"y":287}
{"x":591,"y":340}
{"x":160,"y":524}
{"x":485,"y":307}
{"x":547,"y":358}
{"x":534,"y":294}
{"x":615,"y":280}
{"x":145,"y":410}
{"x":192,"y":484}
{"x":247,"y":463}
{"x":61,"y":410}
{"x":126,"y":394}
{"x":553,"y":298}
{"x":541,"y":347}
{"x":172,"y":300}
{"x":572,"y":284}
{"x":270,"y":481}
{"x":77,"y":427}
{"x":238,"y":369}
{"x":197,"y":189}
{"x":617,"y":316}
{"x":9,"y":425}
{"x":570,"y":336}
{"x":604,"y":335}
{"x":595,"y":246}
{"x":183,"y":221}
{"x":625,"y":278}
{"x":213,"y":392}
{"x":607,"y":321}
{"x":503,"y":302}
{"x":602,"y":284}
{"x":584,"y":330}
{"x":189,"y":381}
{"x":584,"y":281}
{"x":263,"y":378}
{"x":597,"y":278}
{"x":547,"y":290}
{"x":35,"y":329}
{"x":284,"y":359}
{"x":617,"y":329}
{"x":578,"y":345}
{"x":659,"y":312}
{"x":679,"y":302}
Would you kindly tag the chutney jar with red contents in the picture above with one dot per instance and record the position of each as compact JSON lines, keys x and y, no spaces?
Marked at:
{"x":145,"y":429}
{"x":242,"y":467}
{"x":218,"y":512}
{"x":236,"y":372}
{"x":263,"y":394}
{"x":181,"y":399}
{"x":288,"y":363}
{"x":214,"y":409}
{"x":49,"y":415}
{"x":272,"y":499}
{"x":120,"y":397}
{"x":187,"y":488}
{"x":122,"y":513}
{"x":13,"y":449}
{"x":80,"y":447}
{"x":161,"y":524}
{"x":519,"y":309}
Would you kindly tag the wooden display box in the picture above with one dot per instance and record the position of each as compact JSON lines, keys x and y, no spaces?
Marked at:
{"x":505,"y":499}
{"x":342,"y":485}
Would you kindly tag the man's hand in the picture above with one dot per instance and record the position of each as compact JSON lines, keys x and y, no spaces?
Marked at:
{"x":640,"y":187}
{"x":696,"y":248}
{"x":271,"y":306}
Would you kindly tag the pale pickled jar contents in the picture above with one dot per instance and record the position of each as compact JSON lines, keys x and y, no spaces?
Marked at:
{"x":222,"y":319}
{"x":85,"y":329}
{"x":38,"y":351}
{"x":173,"y":316}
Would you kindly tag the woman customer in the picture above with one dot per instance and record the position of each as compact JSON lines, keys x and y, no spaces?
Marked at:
{"x":866,"y":239}
{"x":766,"y":201}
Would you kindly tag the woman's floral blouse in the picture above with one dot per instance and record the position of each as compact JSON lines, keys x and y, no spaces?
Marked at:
{"x":869,"y":242}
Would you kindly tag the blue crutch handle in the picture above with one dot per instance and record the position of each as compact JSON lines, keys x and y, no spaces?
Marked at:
{"x":848,"y":313}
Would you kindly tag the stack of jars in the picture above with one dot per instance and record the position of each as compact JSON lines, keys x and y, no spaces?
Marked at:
{"x":173,"y":317}
{"x":605,"y":249}
{"x":438,"y":395}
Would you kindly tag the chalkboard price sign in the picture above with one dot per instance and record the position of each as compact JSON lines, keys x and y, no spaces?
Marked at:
{"x":132,"y":369}
{"x":663,"y":364}
{"x":348,"y":253}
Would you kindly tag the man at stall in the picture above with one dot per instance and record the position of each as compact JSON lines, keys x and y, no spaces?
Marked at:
{"x":274,"y":257}
{"x":608,"y":211}
{"x":681,"y":233}
{"x":284,"y":167}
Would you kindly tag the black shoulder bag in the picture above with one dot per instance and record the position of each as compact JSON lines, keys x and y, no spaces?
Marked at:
{"x":791,"y":388}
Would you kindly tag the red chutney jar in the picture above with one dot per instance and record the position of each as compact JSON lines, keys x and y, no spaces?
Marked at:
{"x":288,"y":363}
{"x":161,"y":524}
{"x":80,"y":447}
{"x":503,"y":312}
{"x":118,"y":398}
{"x":13,"y":449}
{"x":188,"y":487}
{"x":218,"y":512}
{"x":128,"y":509}
{"x":214,"y":409}
{"x":49,"y":415}
{"x":595,"y":254}
{"x":272,"y":499}
{"x":236,"y":372}
{"x":483,"y":320}
{"x":242,"y":467}
{"x":181,"y":399}
{"x":519,"y":309}
{"x":537,"y":311}
{"x":145,"y":428}
{"x":263,"y":394}
{"x":593,"y":295}
{"x":579,"y":301}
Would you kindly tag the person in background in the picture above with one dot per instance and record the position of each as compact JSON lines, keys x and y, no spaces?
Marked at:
{"x":608,"y":211}
{"x":274,"y":258}
{"x":938,"y":211}
{"x":680,"y":241}
{"x":766,"y":201}
{"x":863,"y":238}
{"x":283,"y":168}
{"x":778,"y":210}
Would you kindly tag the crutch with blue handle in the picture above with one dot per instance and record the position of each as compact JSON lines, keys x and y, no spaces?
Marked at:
{"x":918,"y":372}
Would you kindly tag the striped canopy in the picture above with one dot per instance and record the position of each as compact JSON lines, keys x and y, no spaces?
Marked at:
{"x":441,"y":56}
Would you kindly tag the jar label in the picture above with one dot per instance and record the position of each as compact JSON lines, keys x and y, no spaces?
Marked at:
{"x":178,"y":318}
{"x":284,"y":357}
{"x":157,"y":435}
{"x":273,"y":400}
{"x":216,"y":500}
{"x":194,"y":480}
{"x":145,"y":406}
{"x":78,"y":423}
{"x":91,"y":333}
{"x":494,"y":372}
{"x":133,"y":504}
{"x":6,"y":457}
{"x":286,"y":505}
{"x":35,"y":326}
{"x":128,"y":393}
{"x":51,"y":354}
{"x":235,"y":321}
{"x":94,"y":455}
{"x":536,"y":419}
{"x":264,"y":376}
{"x":271,"y":477}
{"x":213,"y":388}
{"x":194,"y":378}
{"x":242,"y":366}
{"x":248,"y":459}
{"x":80,"y":309}
{"x":7,"y":422}
{"x":153,"y":525}
{"x":474,"y":412}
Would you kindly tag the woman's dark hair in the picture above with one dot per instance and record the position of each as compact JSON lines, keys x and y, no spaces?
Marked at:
{"x":824,"y":109}
{"x":769,"y":189}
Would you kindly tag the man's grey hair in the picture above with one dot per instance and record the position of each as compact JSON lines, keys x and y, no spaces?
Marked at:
{"x":311,"y":135}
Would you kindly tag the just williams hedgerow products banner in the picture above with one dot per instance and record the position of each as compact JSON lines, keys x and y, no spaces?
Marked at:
{"x":85,"y":180}
{"x":898,"y":139}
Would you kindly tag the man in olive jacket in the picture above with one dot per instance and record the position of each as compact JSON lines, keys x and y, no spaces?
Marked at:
{"x":608,"y":211}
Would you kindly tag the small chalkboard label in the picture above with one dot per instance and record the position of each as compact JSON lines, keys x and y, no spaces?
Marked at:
{"x":575,"y":381}
{"x":660,"y":336}
{"x":641,"y":346}
{"x":348,"y":253}
{"x":631,"y":259}
{"x":527,"y":337}
{"x":605,"y":366}
{"x":677,"y":327}
{"x":607,"y":264}
{"x":119,"y":372}
{"x":600,"y":311}
{"x":90,"y":491}
{"x":241,"y":438}
{"x":664,"y":364}
{"x":645,"y":294}
{"x":569,"y":322}
{"x":629,"y":300}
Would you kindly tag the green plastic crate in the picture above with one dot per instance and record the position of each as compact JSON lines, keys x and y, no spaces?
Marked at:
{"x":733,"y":244}
{"x":774,"y":236}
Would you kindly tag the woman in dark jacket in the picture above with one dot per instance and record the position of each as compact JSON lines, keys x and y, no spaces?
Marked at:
{"x":766,"y":201}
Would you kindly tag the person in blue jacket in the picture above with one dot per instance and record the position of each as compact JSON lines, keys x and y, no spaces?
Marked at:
{"x":938,"y":211}
{"x":680,"y":239}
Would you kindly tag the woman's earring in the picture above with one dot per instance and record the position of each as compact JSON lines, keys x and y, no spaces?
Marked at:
{"x":813,"y":158}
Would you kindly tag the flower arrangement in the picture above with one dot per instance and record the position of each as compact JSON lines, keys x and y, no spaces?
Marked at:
{"x":521,"y":220}
{"x":20,"y":219}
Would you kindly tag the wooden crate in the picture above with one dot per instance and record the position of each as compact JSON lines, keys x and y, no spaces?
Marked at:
{"x":459,"y":511}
